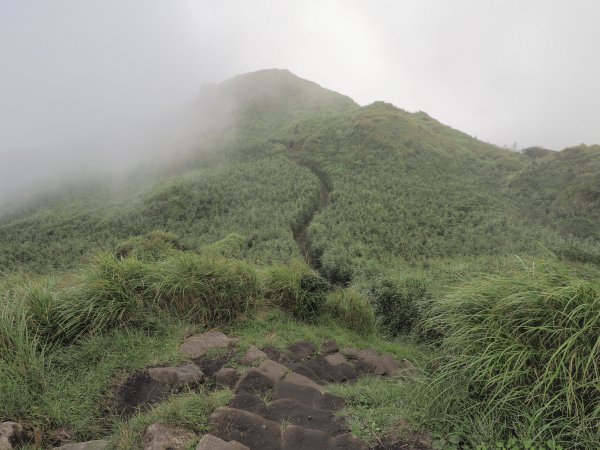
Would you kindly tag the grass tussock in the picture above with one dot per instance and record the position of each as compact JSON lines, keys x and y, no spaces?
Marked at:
{"x":207,"y":289}
{"x":522,"y":353}
{"x":350,"y":309}
{"x":22,"y":365}
{"x":296,"y":289}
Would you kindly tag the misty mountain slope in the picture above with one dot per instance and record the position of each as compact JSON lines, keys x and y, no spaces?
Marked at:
{"x":263,"y":102}
{"x":262,"y":198}
{"x":405,"y":188}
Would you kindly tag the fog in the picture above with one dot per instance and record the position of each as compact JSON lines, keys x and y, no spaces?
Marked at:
{"x":102,"y":84}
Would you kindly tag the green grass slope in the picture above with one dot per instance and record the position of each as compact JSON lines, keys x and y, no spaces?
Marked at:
{"x":562,"y":190}
{"x":411,"y":229}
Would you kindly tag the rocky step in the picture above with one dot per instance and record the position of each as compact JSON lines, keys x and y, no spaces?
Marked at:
{"x":300,"y":415}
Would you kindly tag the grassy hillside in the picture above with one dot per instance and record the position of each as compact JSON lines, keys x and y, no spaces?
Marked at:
{"x":304,"y":213}
{"x":562,"y":190}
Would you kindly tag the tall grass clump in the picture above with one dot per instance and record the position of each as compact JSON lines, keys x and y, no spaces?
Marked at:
{"x":296,"y":289}
{"x":108,"y":293}
{"x":399,"y":302}
{"x":206,"y":288}
{"x":350,"y":309}
{"x":22,"y":364}
{"x":522,"y":352}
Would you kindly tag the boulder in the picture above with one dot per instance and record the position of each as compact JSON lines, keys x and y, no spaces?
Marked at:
{"x":210,"y":442}
{"x":335,"y":359}
{"x":299,"y":438}
{"x":273,"y":370}
{"x":252,"y":357}
{"x":138,"y":391}
{"x":275,"y":354}
{"x":318,"y":365}
{"x":245,"y":427}
{"x":300,"y":351}
{"x":330,"y":347}
{"x":198,"y":345}
{"x":159,"y":436}
{"x":307,"y":395}
{"x":341,"y":374}
{"x":227,"y":376}
{"x":89,"y":445}
{"x":251,"y":403}
{"x":296,"y":378}
{"x":254,"y":381}
{"x":291,"y":411}
{"x":368,"y":360}
{"x":10,"y":435}
{"x":177,"y":378}
{"x":302,"y":369}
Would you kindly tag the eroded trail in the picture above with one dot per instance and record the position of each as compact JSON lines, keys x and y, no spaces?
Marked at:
{"x":302,"y":236}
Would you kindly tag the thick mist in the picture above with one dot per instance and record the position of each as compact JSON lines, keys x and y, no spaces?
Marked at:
{"x":103,"y":85}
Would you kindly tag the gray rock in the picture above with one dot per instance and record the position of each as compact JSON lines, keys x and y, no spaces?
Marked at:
{"x":10,"y":433}
{"x":176,"y":378}
{"x":227,"y":376}
{"x":299,"y":438}
{"x":370,"y":360}
{"x":291,"y":411}
{"x":252,"y":357}
{"x":307,"y":395}
{"x":250,"y":429}
{"x":275,"y":354}
{"x":300,"y":351}
{"x":335,"y":359}
{"x":251,"y":403}
{"x":164,"y":437}
{"x":302,"y":369}
{"x":341,"y":373}
{"x":303,"y":381}
{"x":273,"y":370}
{"x":89,"y":445}
{"x":254,"y":381}
{"x":330,"y":347}
{"x":198,"y":345}
{"x":210,"y":442}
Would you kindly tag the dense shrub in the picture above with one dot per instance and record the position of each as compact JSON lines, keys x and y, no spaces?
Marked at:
{"x":398,"y":302}
{"x":350,"y":309}
{"x":523,"y":349}
{"x":296,"y":289}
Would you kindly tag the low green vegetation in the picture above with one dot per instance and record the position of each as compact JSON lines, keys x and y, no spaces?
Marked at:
{"x":520,"y":351}
{"x":411,"y":231}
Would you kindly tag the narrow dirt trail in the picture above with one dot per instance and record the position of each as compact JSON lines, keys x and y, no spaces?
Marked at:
{"x":302,"y":236}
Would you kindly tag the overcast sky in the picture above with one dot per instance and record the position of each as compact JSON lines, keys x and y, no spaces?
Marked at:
{"x":75,"y":71}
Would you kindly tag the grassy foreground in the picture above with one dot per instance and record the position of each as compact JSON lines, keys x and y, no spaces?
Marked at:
{"x":510,"y":357}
